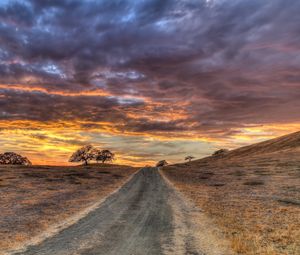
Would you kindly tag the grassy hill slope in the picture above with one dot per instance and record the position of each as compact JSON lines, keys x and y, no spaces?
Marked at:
{"x":252,"y":193}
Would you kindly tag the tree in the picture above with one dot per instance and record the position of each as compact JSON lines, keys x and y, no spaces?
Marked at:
{"x":84,"y":154}
{"x":189,"y":158}
{"x":11,"y":158}
{"x":105,"y":156}
{"x":161,"y":163}
{"x":220,"y":153}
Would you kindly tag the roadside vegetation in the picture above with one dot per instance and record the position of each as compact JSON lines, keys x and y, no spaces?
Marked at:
{"x":252,"y":194}
{"x":34,"y":198}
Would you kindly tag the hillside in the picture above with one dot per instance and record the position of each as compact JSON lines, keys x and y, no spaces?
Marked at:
{"x":285,"y":143}
{"x":252,"y":193}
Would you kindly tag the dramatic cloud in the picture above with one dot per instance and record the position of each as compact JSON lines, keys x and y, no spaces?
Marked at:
{"x":178,"y":72}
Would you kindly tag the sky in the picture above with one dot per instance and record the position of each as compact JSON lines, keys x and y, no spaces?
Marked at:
{"x":147,"y":79}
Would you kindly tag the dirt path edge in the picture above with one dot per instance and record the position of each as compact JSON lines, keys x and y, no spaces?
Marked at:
{"x":55,"y":229}
{"x":201,"y":227}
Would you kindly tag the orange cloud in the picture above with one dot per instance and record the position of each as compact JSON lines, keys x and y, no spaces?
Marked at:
{"x":53,"y":142}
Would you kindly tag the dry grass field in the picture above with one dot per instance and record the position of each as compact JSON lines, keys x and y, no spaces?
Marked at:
{"x":252,"y":194}
{"x":34,"y":198}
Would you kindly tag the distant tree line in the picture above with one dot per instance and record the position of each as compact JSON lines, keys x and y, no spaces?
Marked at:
{"x":89,"y":153}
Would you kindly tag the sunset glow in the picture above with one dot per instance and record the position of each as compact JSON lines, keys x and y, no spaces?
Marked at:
{"x":149,"y":80}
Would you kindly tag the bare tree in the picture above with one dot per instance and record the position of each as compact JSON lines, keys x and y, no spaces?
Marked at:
{"x":11,"y":158}
{"x":84,"y":154}
{"x":161,"y":163}
{"x":105,"y":156}
{"x":189,"y":158}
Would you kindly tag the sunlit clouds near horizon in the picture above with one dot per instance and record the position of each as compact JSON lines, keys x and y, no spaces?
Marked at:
{"x":149,"y":80}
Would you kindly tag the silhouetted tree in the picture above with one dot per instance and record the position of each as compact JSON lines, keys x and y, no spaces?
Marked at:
{"x":105,"y":156}
{"x":189,"y":158}
{"x":11,"y":158}
{"x":220,"y":153}
{"x":161,"y":163}
{"x":84,"y":154}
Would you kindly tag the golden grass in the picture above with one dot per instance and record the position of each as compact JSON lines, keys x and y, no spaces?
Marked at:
{"x":254,"y":200}
{"x":34,"y":198}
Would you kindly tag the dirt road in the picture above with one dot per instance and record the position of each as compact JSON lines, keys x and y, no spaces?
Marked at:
{"x":139,"y":219}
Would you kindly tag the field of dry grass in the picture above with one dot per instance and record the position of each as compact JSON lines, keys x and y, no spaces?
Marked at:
{"x":34,"y":198}
{"x":254,"y":198}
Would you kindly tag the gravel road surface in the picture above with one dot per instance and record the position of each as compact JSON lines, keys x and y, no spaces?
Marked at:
{"x":141,"y":218}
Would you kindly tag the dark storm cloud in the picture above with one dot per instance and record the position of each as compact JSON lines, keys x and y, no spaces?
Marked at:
{"x":41,"y":106}
{"x":225,"y":63}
